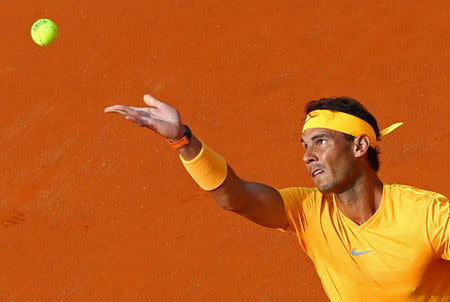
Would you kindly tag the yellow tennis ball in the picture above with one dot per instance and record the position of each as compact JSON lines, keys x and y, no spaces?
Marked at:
{"x":44,"y":32}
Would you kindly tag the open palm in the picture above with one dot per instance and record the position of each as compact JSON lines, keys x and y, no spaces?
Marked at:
{"x":159,"y":116}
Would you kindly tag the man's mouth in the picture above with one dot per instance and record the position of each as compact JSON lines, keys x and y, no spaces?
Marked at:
{"x":316,"y":172}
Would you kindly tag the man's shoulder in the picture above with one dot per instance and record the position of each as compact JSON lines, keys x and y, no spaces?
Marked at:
{"x":300,"y":189}
{"x":411,"y":193}
{"x":301,"y":197}
{"x":300,"y":192}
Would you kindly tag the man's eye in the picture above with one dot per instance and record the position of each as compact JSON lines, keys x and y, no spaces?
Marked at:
{"x":322,"y":141}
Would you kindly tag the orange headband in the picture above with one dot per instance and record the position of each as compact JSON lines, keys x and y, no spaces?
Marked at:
{"x":345,"y":123}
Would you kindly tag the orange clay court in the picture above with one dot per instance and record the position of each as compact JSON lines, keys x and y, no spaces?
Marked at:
{"x":93,"y":208}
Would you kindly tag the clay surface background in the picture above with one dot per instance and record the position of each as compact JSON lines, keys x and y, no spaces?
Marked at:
{"x":93,"y":208}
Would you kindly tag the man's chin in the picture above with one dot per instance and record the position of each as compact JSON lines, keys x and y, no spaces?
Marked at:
{"x":324,"y":189}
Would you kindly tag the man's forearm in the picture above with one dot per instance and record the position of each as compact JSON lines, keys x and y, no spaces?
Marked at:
{"x":226,"y":194}
{"x":258,"y":202}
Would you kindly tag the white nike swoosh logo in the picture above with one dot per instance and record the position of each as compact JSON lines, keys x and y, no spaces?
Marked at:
{"x":355,"y":253}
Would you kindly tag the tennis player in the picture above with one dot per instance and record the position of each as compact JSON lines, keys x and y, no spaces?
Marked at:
{"x":368,"y":240}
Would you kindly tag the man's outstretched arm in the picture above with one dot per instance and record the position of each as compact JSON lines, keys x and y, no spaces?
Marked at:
{"x":260,"y":203}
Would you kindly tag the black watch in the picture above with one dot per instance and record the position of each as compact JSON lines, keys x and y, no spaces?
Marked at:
{"x":187,"y":133}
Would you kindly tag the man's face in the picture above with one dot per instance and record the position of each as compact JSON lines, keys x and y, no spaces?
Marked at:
{"x":329,"y":159}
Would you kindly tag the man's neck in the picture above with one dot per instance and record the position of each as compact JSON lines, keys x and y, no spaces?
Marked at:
{"x":362,"y":199}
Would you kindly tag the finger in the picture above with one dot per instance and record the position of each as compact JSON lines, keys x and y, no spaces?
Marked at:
{"x":144,"y":112}
{"x":115,"y":108}
{"x":152,"y":102}
{"x":135,"y":120}
{"x":141,"y":118}
{"x":138,"y":114}
{"x":109,"y":109}
{"x":139,"y":122}
{"x":121,"y":109}
{"x":117,"y":111}
{"x":132,"y":119}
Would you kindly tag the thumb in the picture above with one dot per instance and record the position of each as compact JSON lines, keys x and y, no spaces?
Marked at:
{"x":152,"y":101}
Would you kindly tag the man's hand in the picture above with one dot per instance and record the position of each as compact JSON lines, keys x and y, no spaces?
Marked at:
{"x":257,"y":202}
{"x":159,"y":117}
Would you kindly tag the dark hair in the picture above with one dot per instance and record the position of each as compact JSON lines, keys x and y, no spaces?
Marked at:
{"x":353,"y":107}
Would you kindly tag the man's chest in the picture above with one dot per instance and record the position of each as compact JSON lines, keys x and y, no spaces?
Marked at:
{"x":395,"y":253}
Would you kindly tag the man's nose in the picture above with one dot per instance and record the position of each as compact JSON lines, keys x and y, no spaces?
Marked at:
{"x":309,"y":157}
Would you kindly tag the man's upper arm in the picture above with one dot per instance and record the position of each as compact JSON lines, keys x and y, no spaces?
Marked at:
{"x":263,"y":205}
{"x":260,"y":203}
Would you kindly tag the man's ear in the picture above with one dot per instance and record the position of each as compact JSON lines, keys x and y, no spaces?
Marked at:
{"x":361,"y":145}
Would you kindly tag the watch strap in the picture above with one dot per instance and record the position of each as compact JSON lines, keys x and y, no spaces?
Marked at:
{"x":187,"y":136}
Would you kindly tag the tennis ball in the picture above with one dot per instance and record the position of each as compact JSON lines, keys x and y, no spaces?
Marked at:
{"x":44,"y":32}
